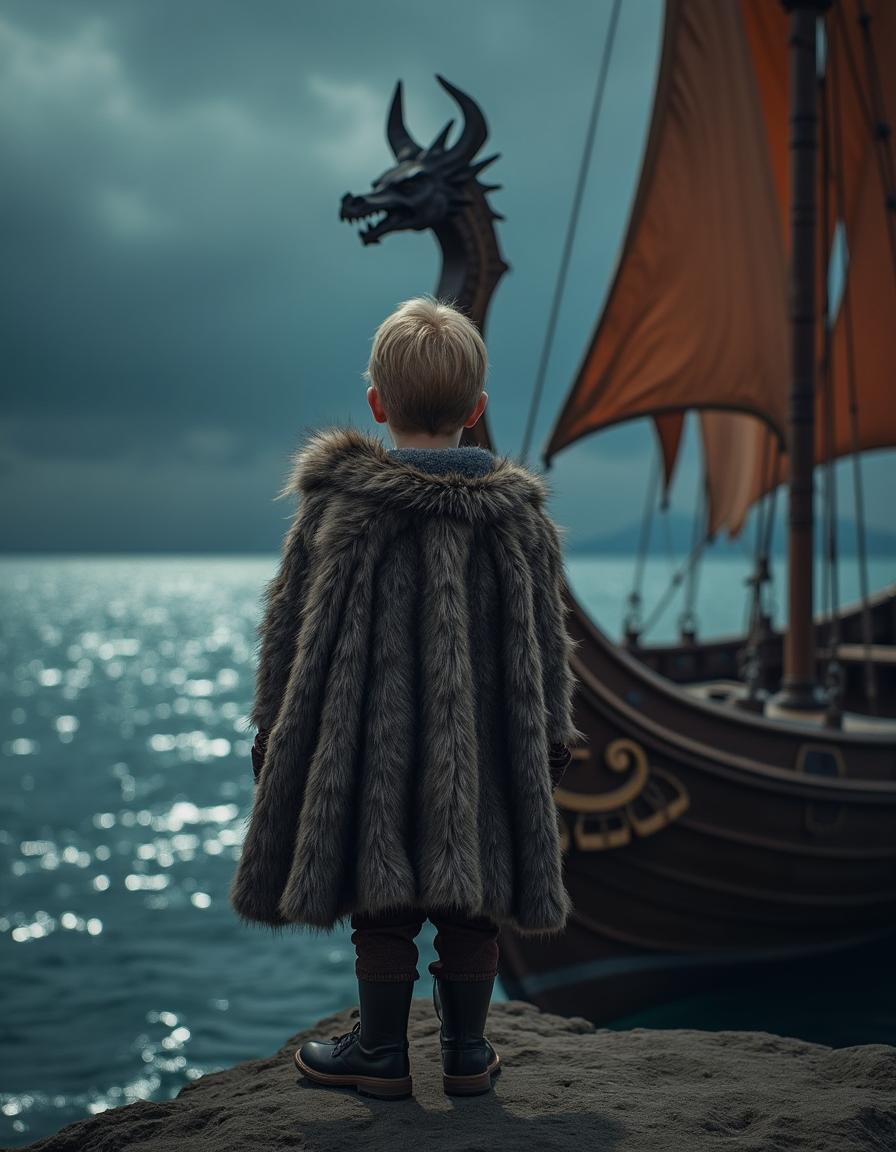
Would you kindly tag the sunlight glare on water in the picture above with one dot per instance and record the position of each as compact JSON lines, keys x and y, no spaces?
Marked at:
{"x":125,"y":689}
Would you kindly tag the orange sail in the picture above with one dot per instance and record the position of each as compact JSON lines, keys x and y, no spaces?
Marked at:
{"x":863,"y":340}
{"x":697,"y":315}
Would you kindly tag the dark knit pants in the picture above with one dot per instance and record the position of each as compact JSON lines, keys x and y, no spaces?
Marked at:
{"x":385,"y":948}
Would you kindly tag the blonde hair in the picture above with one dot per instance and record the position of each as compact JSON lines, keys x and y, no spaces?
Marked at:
{"x":429,"y":365}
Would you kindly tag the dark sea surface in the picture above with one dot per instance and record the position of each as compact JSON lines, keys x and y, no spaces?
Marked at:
{"x":125,"y":686}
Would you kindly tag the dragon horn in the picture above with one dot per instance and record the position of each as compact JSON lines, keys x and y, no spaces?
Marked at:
{"x":475,"y":130}
{"x":401,"y":141}
{"x":439,"y":143}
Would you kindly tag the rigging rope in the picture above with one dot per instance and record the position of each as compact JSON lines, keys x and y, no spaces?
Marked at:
{"x":687,"y":621}
{"x":881,"y":130}
{"x":667,"y":538}
{"x":572,"y":226}
{"x":674,"y":584}
{"x":752,"y":657}
{"x":830,"y":596}
{"x":770,"y":520}
{"x":631,"y":626}
{"x":846,"y":305}
{"x":760,"y":551}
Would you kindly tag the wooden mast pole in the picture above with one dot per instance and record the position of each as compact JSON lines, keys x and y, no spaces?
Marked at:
{"x":799,"y":688}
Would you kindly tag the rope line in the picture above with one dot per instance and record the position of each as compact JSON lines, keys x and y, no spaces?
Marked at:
{"x":674,"y":584}
{"x":858,"y":488}
{"x":571,"y":229}
{"x":688,"y":618}
{"x":882,"y":131}
{"x":830,"y":594}
{"x":631,"y":625}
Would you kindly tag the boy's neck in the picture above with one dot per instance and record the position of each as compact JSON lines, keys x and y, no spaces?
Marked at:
{"x":418,"y":440}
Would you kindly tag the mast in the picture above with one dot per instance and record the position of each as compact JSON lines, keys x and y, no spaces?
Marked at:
{"x":799,"y":689}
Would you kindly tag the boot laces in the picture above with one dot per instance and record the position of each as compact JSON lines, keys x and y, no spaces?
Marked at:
{"x":340,"y":1043}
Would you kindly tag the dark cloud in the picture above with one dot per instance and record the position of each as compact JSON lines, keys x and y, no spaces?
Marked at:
{"x":178,"y":299}
{"x":177,"y":289}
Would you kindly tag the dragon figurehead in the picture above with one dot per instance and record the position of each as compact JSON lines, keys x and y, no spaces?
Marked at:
{"x":426,"y":187}
{"x":436,"y":188}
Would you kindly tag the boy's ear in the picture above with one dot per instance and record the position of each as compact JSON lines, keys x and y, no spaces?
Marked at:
{"x":373,"y":399}
{"x":477,"y":411}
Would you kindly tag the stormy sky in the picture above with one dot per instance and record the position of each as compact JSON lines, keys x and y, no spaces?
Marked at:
{"x":179,"y":302}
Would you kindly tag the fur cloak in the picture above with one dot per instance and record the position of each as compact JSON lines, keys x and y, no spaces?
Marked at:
{"x":414,"y":669}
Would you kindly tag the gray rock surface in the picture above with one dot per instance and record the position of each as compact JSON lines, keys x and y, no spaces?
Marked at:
{"x":565,"y":1085}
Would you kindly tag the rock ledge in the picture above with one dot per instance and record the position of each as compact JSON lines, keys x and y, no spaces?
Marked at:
{"x":566,"y":1085}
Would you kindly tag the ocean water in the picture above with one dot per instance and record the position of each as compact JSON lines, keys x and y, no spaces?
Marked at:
{"x":125,"y":685}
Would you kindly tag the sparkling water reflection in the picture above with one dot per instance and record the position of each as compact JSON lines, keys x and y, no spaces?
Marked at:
{"x":125,"y":686}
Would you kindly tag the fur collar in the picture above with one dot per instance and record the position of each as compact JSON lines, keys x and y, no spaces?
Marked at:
{"x":467,"y":458}
{"x":351,"y":461}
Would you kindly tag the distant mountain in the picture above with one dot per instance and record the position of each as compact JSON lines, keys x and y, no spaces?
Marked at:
{"x":679,"y":535}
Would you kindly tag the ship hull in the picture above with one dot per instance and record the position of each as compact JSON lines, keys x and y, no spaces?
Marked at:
{"x":700,"y":841}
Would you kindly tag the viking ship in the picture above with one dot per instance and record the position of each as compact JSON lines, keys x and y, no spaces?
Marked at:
{"x":735,"y":803}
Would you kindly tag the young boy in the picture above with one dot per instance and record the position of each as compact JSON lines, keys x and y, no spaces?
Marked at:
{"x":414,"y":707}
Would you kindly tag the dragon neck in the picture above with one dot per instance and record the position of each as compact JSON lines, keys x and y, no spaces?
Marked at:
{"x":472,"y":267}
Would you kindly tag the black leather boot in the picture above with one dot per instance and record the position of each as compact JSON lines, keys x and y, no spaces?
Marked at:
{"x":468,"y":1059}
{"x":373,"y":1057}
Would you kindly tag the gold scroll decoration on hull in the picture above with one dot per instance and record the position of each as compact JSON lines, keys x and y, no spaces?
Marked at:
{"x":646,"y":803}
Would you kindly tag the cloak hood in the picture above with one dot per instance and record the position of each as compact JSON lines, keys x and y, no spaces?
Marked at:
{"x":414,"y":670}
